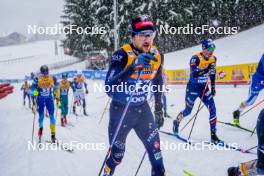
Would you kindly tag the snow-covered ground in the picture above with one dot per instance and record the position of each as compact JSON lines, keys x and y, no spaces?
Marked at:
{"x":16,"y":127}
{"x":244,"y":47}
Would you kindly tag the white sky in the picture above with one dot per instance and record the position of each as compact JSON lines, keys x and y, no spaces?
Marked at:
{"x":16,"y":15}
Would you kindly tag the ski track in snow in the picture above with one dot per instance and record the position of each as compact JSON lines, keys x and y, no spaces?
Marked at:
{"x":16,"y":126}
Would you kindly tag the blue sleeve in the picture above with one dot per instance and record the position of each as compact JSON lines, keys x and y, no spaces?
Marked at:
{"x":34,"y":85}
{"x":158,"y":82}
{"x":117,"y":72}
{"x":56,"y":84}
{"x":195,"y":71}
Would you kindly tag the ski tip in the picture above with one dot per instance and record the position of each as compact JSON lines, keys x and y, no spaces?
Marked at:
{"x":187,"y":173}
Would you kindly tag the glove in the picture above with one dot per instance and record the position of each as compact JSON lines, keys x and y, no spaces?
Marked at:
{"x":86,"y":91}
{"x":5,"y":89}
{"x":159,"y":118}
{"x":143,"y":60}
{"x":213,"y":92}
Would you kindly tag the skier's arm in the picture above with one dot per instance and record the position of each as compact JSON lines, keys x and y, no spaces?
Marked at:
{"x":195,"y":71}
{"x":117,"y":72}
{"x":212,"y":74}
{"x":22,"y":87}
{"x":34,"y":87}
{"x":72,"y":86}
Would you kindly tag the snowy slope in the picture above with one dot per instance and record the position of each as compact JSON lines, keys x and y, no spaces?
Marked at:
{"x":39,"y":53}
{"x":244,"y":47}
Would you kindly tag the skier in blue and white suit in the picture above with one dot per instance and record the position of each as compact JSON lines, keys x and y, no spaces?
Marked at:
{"x":126,"y":64}
{"x":257,"y":84}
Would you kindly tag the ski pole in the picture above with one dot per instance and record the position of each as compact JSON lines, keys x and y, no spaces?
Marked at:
{"x":33,"y":126}
{"x":252,"y":107}
{"x":250,"y":149}
{"x":191,"y":119}
{"x":253,"y":131}
{"x":119,"y":125}
{"x":142,"y":159}
{"x":104,"y":111}
{"x":196,"y":114}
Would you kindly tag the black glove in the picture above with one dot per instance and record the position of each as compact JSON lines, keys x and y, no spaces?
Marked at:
{"x":86,"y":91}
{"x":213,"y":92}
{"x":143,"y":60}
{"x":159,"y":118}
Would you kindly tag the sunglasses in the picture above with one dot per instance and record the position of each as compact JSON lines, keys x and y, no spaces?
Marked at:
{"x":145,"y":33}
{"x":211,"y":49}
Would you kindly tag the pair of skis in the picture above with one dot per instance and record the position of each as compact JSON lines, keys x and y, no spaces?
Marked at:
{"x":236,"y":126}
{"x":221,"y":143}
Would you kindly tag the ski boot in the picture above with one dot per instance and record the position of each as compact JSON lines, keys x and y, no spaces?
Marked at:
{"x":53,"y":138}
{"x":214,"y":138}
{"x":176,"y":123}
{"x":84,"y":112}
{"x":62,"y":122}
{"x":65,"y":119}
{"x":40,"y":134}
{"x":166,"y":115}
{"x":236,"y":115}
{"x":233,"y":171}
{"x":74,"y":110}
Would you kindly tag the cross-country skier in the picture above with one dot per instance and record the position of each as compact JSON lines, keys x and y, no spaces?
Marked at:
{"x":253,"y":167}
{"x":126,"y":64}
{"x":257,"y":84}
{"x":79,"y":87}
{"x":44,"y":85}
{"x":26,"y":93}
{"x":63,"y":94}
{"x":202,"y":66}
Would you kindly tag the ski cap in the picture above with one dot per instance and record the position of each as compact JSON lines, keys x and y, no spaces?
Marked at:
{"x":208,"y":44}
{"x":141,"y":23}
{"x":64,"y":75}
{"x":44,"y":69}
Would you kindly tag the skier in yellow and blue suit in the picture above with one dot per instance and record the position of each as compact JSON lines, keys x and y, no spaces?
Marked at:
{"x":44,"y":85}
{"x":202,"y":67}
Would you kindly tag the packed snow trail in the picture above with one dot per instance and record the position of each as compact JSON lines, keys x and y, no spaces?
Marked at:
{"x":16,"y":127}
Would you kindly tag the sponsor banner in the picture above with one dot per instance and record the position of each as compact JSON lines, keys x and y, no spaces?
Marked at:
{"x":230,"y":74}
{"x":89,"y":74}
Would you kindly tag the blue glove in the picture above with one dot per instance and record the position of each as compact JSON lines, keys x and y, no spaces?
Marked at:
{"x":143,"y":60}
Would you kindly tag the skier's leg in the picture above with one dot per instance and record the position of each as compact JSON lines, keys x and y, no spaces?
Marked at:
{"x":50,"y":108}
{"x":24,"y":98}
{"x":254,"y":90}
{"x":208,"y":100}
{"x":146,"y":129}
{"x":41,"y":105}
{"x":63,"y":109}
{"x":191,"y":95}
{"x":118,"y":148}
